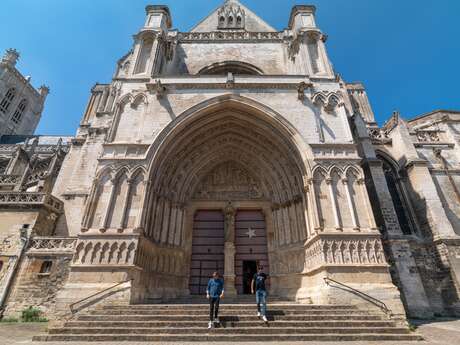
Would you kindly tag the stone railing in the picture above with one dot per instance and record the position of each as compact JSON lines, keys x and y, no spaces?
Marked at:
{"x":344,"y":250}
{"x":5,"y":148}
{"x":378,"y":135}
{"x":8,"y":148}
{"x":230,"y":36}
{"x":26,"y":199}
{"x":52,"y":245}
{"x":428,"y":136}
{"x":9,"y":180}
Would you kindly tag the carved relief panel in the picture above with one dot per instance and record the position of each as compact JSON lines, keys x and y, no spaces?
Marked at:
{"x":229,"y":181}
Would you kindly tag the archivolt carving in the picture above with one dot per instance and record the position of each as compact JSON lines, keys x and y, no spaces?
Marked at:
{"x":198,"y":162}
{"x":101,"y":251}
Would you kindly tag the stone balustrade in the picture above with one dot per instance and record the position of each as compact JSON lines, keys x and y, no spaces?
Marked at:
{"x":29,"y":199}
{"x":230,"y":36}
{"x":379,"y":135}
{"x":52,"y":245}
{"x":428,"y":136}
{"x":9,"y":180}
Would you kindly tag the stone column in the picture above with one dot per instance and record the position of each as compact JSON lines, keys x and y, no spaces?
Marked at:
{"x":229,"y":251}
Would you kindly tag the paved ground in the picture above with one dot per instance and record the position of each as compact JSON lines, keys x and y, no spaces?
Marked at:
{"x":436,"y":332}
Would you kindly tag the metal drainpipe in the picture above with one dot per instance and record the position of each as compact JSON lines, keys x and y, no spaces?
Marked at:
{"x":25,"y":240}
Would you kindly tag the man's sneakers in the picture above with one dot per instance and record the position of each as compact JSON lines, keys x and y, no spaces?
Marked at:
{"x":217,"y":321}
{"x":258,"y":314}
{"x":264,"y":318}
{"x":210,"y":325}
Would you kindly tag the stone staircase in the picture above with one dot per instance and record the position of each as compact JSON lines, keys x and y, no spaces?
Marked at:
{"x":171,"y":322}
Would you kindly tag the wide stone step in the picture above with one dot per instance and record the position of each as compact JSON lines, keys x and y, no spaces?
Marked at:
{"x":204,"y":317}
{"x":291,"y":306}
{"x":214,"y":337}
{"x":188,"y":324}
{"x":222,"y":330}
{"x":225,"y":311}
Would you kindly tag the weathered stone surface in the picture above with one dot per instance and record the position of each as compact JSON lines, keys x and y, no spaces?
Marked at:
{"x":233,"y":112}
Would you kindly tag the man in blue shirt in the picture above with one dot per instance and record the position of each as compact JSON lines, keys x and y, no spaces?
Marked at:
{"x":261,"y":292}
{"x":214,"y":293}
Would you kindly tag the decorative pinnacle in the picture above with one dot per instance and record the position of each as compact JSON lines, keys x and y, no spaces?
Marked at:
{"x":44,"y":90}
{"x":11,"y":56}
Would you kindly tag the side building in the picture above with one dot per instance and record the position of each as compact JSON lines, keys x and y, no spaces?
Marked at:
{"x":21,"y":105}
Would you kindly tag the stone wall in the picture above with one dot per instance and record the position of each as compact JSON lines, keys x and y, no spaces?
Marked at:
{"x":32,"y":288}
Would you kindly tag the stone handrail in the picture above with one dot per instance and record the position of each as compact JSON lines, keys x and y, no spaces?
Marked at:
{"x":48,"y":245}
{"x":9,"y":179}
{"x":31,"y":199}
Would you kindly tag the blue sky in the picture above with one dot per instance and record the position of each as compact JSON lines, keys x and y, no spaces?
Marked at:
{"x":406,"y":52}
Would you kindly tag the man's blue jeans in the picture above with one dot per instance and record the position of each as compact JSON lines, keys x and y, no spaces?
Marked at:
{"x":261,"y":299}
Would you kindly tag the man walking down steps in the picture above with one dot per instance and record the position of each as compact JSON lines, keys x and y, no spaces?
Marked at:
{"x":214,"y":293}
{"x":258,"y":283}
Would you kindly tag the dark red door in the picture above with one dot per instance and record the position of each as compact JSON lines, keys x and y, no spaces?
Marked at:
{"x":207,"y":249}
{"x":251,"y":245}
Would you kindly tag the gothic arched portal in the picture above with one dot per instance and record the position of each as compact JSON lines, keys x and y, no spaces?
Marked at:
{"x":228,"y":152}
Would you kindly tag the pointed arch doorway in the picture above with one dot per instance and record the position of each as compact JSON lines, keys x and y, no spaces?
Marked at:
{"x":228,"y":152}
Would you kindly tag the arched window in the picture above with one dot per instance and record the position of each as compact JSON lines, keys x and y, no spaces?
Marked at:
{"x":222,"y":20}
{"x":46,"y":267}
{"x":144,"y":55}
{"x":238,"y":21}
{"x":7,"y":99}
{"x":230,"y":20}
{"x":17,"y":116}
{"x":235,"y":67}
{"x":399,"y":201}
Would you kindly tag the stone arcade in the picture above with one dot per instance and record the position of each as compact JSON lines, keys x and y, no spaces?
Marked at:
{"x":225,"y":147}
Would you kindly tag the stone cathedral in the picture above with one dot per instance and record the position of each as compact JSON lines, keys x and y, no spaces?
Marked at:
{"x":228,"y":147}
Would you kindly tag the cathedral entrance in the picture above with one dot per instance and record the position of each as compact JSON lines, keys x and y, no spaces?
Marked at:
{"x":226,"y":193}
{"x":209,"y":242}
{"x":207,"y":249}
{"x":251,"y":247}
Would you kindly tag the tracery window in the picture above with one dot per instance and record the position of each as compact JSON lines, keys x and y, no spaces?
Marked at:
{"x":401,"y":205}
{"x":17,"y":116}
{"x":7,"y":99}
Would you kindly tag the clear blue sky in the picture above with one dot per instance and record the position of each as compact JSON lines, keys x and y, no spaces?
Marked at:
{"x":407,"y":52}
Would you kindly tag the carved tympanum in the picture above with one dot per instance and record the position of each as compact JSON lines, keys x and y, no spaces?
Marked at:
{"x":229,"y":181}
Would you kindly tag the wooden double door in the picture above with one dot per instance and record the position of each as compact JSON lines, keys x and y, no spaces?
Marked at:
{"x":208,"y":248}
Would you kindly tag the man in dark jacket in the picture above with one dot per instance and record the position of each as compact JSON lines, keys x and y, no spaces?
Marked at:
{"x":214,"y":293}
{"x":258,"y":286}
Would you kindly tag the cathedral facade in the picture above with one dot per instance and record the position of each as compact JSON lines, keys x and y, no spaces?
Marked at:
{"x":225,"y":148}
